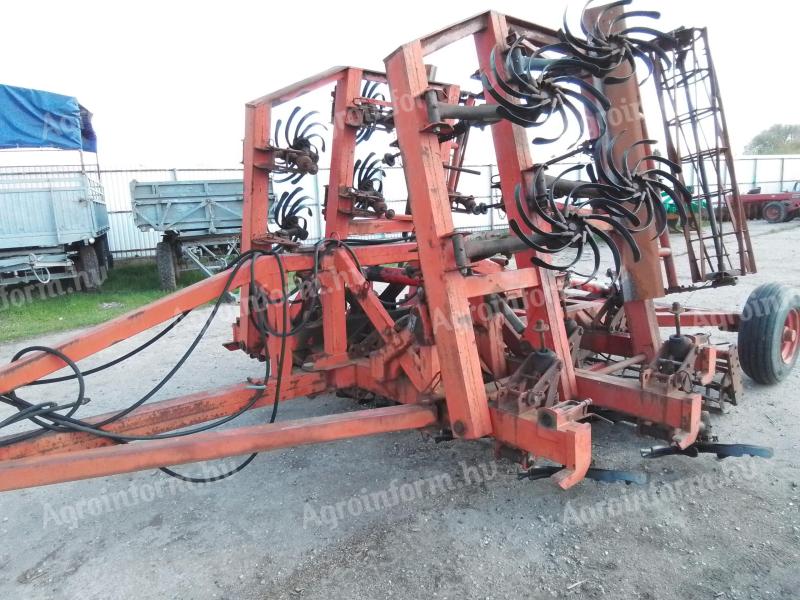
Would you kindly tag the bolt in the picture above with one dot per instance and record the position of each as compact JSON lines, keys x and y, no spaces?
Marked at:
{"x":459,"y":428}
{"x":676,"y":310}
{"x":541,"y":328}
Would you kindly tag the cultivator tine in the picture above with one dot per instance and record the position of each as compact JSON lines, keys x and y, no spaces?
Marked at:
{"x":304,"y":137}
{"x":369,"y":90}
{"x":639,"y":186}
{"x":529,"y":97}
{"x":606,"y":49}
{"x":572,"y":229}
{"x":602,"y":475}
{"x":288,"y":211}
{"x":721,"y":450}
{"x":368,"y":174}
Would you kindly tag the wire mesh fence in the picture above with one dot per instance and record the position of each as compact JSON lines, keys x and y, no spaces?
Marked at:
{"x":769,"y":173}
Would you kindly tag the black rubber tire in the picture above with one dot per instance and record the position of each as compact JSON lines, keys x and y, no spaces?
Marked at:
{"x":761,"y":333}
{"x":167,"y":269}
{"x":89,"y":277}
{"x":104,"y":257}
{"x":775,"y":212}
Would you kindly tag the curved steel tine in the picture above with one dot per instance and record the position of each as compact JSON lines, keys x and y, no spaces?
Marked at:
{"x":648,"y":14}
{"x":523,"y":213}
{"x":357,"y":169}
{"x":612,"y":246}
{"x":501,"y":80}
{"x":374,"y":172}
{"x":578,"y":119}
{"x":583,"y":25}
{"x":564,"y":126}
{"x":672,"y":179}
{"x":655,"y":48}
{"x":642,"y":56}
{"x":514,"y":226}
{"x":556,"y":220}
{"x":287,"y":201}
{"x":603,"y":189}
{"x":653,"y":212}
{"x":309,"y":128}
{"x":574,"y":41}
{"x":289,"y":125}
{"x":654,"y":205}
{"x":615,"y":208}
{"x":625,"y":163}
{"x":499,"y":98}
{"x":509,"y":64}
{"x":276,"y":209}
{"x":646,"y":30}
{"x":599,"y":115}
{"x":370,"y":87}
{"x":679,"y":202}
{"x":318,"y":137}
{"x":626,"y":56}
{"x":280,"y":206}
{"x":298,"y":205}
{"x":605,"y":10}
{"x":521,"y":120}
{"x":673,"y":167}
{"x":623,"y":231}
{"x":278,"y":124}
{"x":366,"y":164}
{"x":605,"y":159}
{"x":596,"y":253}
{"x":586,"y":87}
{"x":298,"y":128}
{"x":577,"y":244}
{"x":560,"y":176}
{"x":661,"y":212}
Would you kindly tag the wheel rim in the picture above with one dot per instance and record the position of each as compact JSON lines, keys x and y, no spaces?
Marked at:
{"x":791,"y":336}
{"x":771,"y":213}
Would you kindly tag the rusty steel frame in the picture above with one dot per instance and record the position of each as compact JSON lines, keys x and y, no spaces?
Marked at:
{"x":439,"y":382}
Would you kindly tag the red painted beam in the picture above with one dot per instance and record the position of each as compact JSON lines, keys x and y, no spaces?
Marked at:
{"x":112,"y":460}
{"x":166,"y":415}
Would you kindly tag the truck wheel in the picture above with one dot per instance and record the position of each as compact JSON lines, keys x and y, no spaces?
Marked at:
{"x":769,"y":334}
{"x":775,"y":212}
{"x":167,"y":271}
{"x":104,"y":257}
{"x":89,"y":277}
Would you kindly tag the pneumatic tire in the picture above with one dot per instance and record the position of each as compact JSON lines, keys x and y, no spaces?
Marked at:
{"x":167,"y":269}
{"x":769,"y":333}
{"x":775,"y":212}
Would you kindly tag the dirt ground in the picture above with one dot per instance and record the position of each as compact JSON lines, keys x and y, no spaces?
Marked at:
{"x":452,"y":523}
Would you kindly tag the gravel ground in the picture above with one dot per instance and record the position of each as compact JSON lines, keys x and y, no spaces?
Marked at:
{"x":295,"y":523}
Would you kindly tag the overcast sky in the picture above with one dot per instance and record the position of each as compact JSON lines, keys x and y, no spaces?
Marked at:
{"x":168,"y":80}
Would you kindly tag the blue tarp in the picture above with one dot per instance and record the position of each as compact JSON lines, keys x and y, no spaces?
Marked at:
{"x":37,"y":119}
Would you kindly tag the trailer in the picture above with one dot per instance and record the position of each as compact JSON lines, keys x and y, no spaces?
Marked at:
{"x":200,"y":222}
{"x":54,"y":226}
{"x":53,"y":220}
